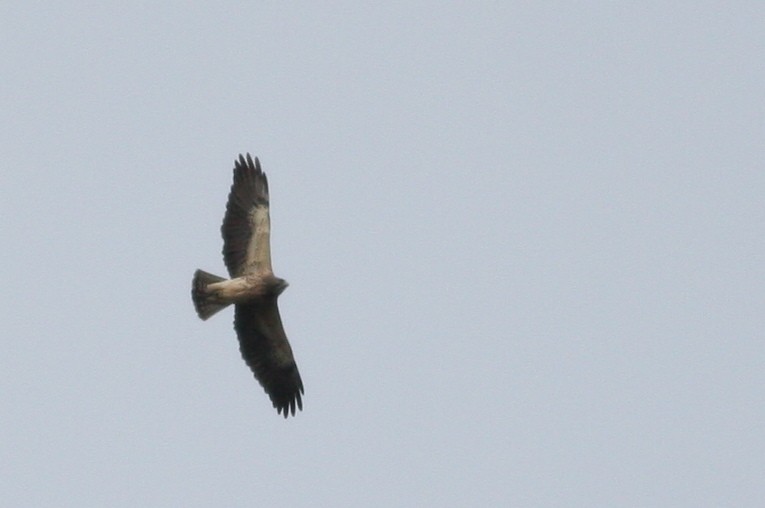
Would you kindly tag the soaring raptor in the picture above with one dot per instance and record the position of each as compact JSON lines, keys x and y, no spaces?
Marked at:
{"x":253,"y":288}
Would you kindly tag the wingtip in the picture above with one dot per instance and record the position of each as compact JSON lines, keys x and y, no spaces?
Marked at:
{"x":246,"y":161}
{"x":292,"y":406}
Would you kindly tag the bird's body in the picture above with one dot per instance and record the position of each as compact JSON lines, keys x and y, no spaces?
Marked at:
{"x":243,"y":289}
{"x":253,"y":288}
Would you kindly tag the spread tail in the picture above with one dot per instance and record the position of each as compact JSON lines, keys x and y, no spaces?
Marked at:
{"x":204,"y":303}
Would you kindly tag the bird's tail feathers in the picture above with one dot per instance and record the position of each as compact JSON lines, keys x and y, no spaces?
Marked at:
{"x":204,"y":302}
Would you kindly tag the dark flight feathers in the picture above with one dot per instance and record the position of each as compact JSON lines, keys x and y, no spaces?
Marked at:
{"x":265,"y":348}
{"x":249,"y":190}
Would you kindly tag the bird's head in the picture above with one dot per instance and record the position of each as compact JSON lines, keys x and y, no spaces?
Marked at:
{"x":279,"y":286}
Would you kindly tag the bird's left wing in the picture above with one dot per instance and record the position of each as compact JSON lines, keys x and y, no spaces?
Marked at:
{"x":246,"y":226}
{"x":265,"y":348}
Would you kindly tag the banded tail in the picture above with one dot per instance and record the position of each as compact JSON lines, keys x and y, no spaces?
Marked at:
{"x":204,"y":303}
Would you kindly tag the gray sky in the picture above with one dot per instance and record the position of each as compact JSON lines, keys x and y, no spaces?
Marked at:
{"x":524,"y":242}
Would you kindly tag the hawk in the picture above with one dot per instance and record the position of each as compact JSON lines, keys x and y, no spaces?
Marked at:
{"x":253,"y":288}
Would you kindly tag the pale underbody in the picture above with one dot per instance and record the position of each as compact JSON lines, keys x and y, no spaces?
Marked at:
{"x":245,"y":289}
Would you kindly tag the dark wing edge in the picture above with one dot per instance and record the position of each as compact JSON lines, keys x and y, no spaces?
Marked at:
{"x":248,"y":192}
{"x":267,"y":352}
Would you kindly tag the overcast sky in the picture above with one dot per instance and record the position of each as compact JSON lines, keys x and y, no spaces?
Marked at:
{"x":524,"y":242}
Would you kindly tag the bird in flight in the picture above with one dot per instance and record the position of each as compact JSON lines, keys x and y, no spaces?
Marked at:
{"x":253,"y":288}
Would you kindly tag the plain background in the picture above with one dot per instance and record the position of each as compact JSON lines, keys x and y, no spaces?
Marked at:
{"x":524,"y":242}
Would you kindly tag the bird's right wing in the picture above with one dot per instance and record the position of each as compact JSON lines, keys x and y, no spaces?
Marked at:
{"x":246,"y":226}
